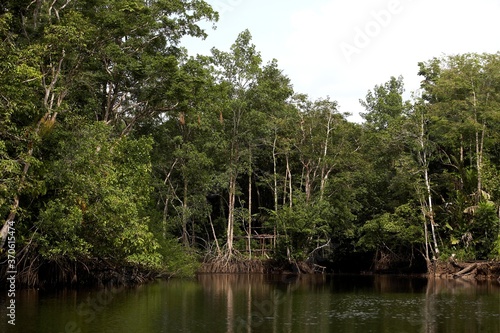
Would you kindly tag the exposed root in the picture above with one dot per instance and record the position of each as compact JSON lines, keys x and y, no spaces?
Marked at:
{"x":234,"y":263}
{"x":35,"y":272}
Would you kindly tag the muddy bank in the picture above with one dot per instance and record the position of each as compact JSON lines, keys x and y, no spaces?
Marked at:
{"x":451,"y":269}
{"x":475,"y":270}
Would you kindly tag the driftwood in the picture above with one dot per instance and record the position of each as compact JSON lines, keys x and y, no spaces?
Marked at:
{"x":467,"y":270}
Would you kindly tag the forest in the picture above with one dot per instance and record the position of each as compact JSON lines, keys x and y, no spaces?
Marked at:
{"x":123,"y":155}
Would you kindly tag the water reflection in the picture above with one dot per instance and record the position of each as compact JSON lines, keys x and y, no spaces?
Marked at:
{"x":256,"y":302}
{"x":462,"y":306}
{"x":350,"y":304}
{"x":266,"y":304}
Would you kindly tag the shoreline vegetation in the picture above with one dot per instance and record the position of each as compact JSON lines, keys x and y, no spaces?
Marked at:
{"x":103,"y":274}
{"x":124,"y":158}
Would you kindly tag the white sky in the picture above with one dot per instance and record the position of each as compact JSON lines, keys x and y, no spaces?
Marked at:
{"x":342,"y":49}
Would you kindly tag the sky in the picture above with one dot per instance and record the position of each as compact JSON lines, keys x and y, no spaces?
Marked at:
{"x":342,"y":49}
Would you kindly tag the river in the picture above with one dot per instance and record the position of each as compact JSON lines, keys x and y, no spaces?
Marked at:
{"x":258,"y":303}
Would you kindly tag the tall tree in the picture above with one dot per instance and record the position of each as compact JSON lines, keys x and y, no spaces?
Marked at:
{"x":384,"y":104}
{"x":237,"y":71}
{"x":462,"y":96}
{"x":415,"y":133}
{"x":110,"y":61}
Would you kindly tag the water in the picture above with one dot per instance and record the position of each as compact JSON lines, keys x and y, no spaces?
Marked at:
{"x":257,"y":303}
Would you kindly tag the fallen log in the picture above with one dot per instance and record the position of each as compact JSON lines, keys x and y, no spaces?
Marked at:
{"x":467,"y":270}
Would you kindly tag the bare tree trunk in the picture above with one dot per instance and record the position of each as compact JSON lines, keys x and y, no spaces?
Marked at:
{"x":185,"y":239}
{"x":230,"y":217}
{"x":479,"y":161}
{"x":324,"y":170}
{"x":285,"y":189}
{"x":290,"y":188}
{"x":465,"y":271}
{"x":461,"y":149}
{"x":167,"y":200}
{"x":479,"y":149}
{"x":214,"y":234}
{"x":250,"y":208}
{"x":307,"y":185}
{"x":431,"y":212}
{"x":325,"y":173}
{"x":165,"y":216}
{"x":426,"y":235}
{"x":427,"y":206}
{"x":275,"y":173}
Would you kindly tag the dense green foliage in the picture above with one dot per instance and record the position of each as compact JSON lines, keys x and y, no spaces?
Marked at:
{"x":116,"y":145}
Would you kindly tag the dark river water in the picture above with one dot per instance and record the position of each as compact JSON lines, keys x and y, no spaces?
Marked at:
{"x":257,"y":303}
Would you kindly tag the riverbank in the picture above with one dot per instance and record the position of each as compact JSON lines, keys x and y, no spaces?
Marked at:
{"x":473,"y":270}
{"x":236,"y":265}
{"x":451,"y":269}
{"x":69,"y":273}
{"x":105,"y":273}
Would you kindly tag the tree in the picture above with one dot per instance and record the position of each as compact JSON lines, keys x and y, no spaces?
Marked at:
{"x":421,"y":148}
{"x":106,"y":63}
{"x":54,"y":61}
{"x":237,"y":72}
{"x":270,"y":110}
{"x":382,"y":147}
{"x":392,"y":236}
{"x":384,"y":104}
{"x":98,"y":202}
{"x":391,"y":173}
{"x":317,"y":125}
{"x":462,"y":96}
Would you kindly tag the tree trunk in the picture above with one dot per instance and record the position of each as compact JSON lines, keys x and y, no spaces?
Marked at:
{"x":307,"y":185}
{"x":230,"y":217}
{"x":285,"y":189}
{"x":431,"y":213}
{"x":275,"y":174}
{"x":325,"y":171}
{"x":185,"y":239}
{"x":479,"y":158}
{"x":425,"y":165}
{"x":479,"y":148}
{"x":214,"y":234}
{"x":250,"y":209}
{"x":290,"y":188}
{"x":426,"y":233}
{"x":465,"y":271}
{"x":165,"y":217}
